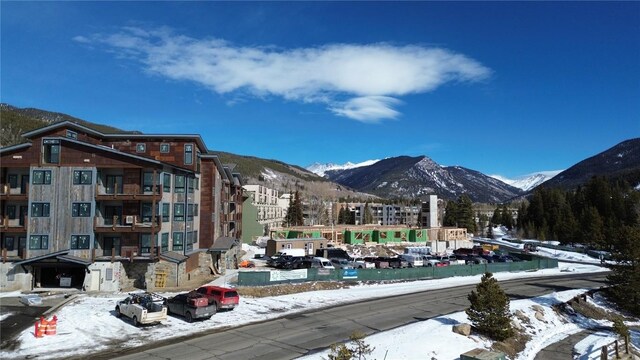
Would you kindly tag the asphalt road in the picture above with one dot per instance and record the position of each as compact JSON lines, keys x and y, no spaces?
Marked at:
{"x":292,"y":336}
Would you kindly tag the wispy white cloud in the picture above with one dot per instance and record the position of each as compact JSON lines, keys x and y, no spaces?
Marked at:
{"x":369,"y":77}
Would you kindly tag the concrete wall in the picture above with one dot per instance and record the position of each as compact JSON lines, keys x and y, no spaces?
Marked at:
{"x":14,"y":278}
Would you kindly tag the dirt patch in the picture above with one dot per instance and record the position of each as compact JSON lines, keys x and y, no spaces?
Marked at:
{"x":581,"y":306}
{"x":285,"y":289}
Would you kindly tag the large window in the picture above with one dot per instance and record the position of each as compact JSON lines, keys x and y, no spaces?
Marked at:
{"x":178,"y":212}
{"x":189,"y":240}
{"x":11,"y":211}
{"x":166,"y":182}
{"x":147,"y":209}
{"x":80,"y":241}
{"x":178,"y":241}
{"x":82,"y":177}
{"x":179,"y":186}
{"x":41,"y":177}
{"x":40,"y":209}
{"x":81,"y":209}
{"x":111,"y":244}
{"x":188,"y":154}
{"x":38,"y":242}
{"x":51,"y":149}
{"x":191,"y":184}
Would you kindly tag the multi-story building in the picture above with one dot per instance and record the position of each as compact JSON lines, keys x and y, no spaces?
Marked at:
{"x":111,"y":210}
{"x":265,"y":213}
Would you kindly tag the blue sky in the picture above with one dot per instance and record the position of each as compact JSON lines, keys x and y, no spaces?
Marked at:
{"x":506,"y":88}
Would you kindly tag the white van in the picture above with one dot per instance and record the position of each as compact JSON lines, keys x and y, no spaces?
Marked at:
{"x":414,"y":260}
{"x":323,"y":263}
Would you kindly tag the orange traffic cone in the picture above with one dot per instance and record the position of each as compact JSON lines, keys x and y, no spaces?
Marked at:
{"x":52,"y":326}
{"x":42,"y":327}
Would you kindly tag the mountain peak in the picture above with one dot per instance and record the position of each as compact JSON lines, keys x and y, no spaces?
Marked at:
{"x":320,"y":169}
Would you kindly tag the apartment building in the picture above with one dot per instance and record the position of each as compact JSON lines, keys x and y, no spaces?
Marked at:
{"x":263,"y":211}
{"x":108,"y":211}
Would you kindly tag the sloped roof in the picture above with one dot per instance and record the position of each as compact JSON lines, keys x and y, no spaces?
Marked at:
{"x":224,"y":243}
{"x":173,"y":257}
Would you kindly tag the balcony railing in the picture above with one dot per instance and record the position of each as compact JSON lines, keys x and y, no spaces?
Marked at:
{"x":16,"y":225}
{"x":7,"y":191}
{"x":126,"y":223}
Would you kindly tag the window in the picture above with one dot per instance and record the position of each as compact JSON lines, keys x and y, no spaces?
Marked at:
{"x":141,"y":147}
{"x":72,"y":134}
{"x":51,"y":151}
{"x":147,"y":209}
{"x":81,"y":209}
{"x":166,"y":182}
{"x":41,"y":177}
{"x":188,"y":154}
{"x":165,"y":212}
{"x":164,"y":148}
{"x":189,"y":212}
{"x":191,"y":182}
{"x":195,"y":210}
{"x":8,"y":243}
{"x":111,"y":244}
{"x":189,"y":240}
{"x":178,"y":241}
{"x":147,"y":181}
{"x":39,"y":209}
{"x":11,"y":211}
{"x":38,"y":242}
{"x":195,"y":237}
{"x":13,"y":181}
{"x":178,"y":212}
{"x":179,"y":186}
{"x":82,"y":177}
{"x":145,"y":243}
{"x":165,"y":242}
{"x":80,"y":241}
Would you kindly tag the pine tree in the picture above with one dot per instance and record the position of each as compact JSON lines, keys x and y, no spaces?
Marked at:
{"x":368,"y":217}
{"x":450,"y":214}
{"x":489,"y":311}
{"x":624,"y":280}
{"x":298,"y":217}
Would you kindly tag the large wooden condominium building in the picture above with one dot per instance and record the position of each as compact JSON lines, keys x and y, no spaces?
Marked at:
{"x":110,"y":211}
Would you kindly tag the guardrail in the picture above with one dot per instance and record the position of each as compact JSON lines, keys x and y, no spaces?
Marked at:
{"x":272,"y":277}
{"x":614,"y":349}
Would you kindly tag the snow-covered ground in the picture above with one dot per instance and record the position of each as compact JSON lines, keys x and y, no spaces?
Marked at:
{"x":88,"y":323}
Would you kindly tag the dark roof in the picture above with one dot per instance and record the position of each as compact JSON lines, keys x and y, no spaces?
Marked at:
{"x":60,"y":255}
{"x":223,"y":244}
{"x":173,"y":257}
{"x":67,"y":123}
{"x":14,"y":147}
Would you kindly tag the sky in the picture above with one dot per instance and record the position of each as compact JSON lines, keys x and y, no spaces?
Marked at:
{"x":504,"y":88}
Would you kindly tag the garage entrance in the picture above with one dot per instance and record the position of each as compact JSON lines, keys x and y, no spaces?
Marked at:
{"x":57,"y":270}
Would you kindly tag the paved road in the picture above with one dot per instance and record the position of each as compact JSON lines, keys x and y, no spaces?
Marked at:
{"x":300,"y":334}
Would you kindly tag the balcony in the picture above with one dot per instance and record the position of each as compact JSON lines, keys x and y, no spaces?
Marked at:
{"x":125,"y":224}
{"x":117,"y":192}
{"x":8,"y":193}
{"x":130,"y":253}
{"x":14,"y":225}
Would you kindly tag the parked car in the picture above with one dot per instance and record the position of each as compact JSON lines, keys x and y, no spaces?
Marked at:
{"x":223,"y":298}
{"x":191,"y":305}
{"x":142,"y":308}
{"x":476,"y":260}
{"x":340,"y":263}
{"x":429,"y":260}
{"x":362,"y":263}
{"x":324,"y":262}
{"x":414,"y":260}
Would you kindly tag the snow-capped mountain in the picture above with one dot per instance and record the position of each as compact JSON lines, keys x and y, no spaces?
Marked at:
{"x":419,"y":177}
{"x":320,"y":169}
{"x":528,"y":182}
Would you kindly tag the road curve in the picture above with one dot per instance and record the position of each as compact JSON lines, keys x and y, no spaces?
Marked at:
{"x":300,"y":334}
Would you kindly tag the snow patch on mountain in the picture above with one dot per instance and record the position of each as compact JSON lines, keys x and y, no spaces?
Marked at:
{"x":320,"y":169}
{"x":528,"y":182}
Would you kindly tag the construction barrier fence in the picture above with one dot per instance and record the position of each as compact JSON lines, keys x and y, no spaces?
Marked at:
{"x":272,"y":277}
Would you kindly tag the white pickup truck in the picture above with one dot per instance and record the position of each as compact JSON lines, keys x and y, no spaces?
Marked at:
{"x":143,"y":308}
